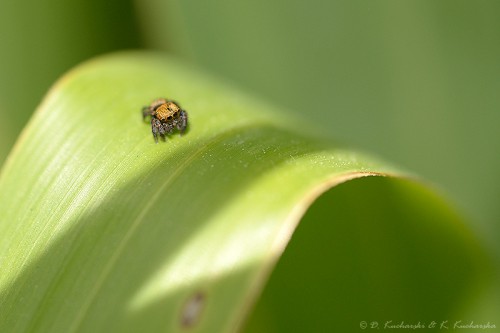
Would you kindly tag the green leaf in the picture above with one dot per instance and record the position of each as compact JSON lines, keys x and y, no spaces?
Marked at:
{"x":102,"y":230}
{"x":356,"y":258}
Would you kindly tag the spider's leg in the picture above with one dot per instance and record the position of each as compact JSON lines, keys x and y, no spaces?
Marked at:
{"x":182,"y":123}
{"x":146,"y":111}
{"x":154,"y":128}
{"x":162,"y":129}
{"x":168,"y":128}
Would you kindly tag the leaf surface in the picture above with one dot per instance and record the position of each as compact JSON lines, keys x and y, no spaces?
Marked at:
{"x":104,"y":230}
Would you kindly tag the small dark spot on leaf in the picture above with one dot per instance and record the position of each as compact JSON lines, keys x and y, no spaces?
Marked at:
{"x":192,"y":309}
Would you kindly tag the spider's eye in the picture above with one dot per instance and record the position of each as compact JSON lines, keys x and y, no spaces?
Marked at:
{"x":169,"y":118}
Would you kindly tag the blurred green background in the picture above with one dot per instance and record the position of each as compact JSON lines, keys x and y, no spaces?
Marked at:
{"x":415,"y":82}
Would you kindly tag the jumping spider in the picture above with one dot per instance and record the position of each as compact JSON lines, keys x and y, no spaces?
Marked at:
{"x":166,"y":115}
